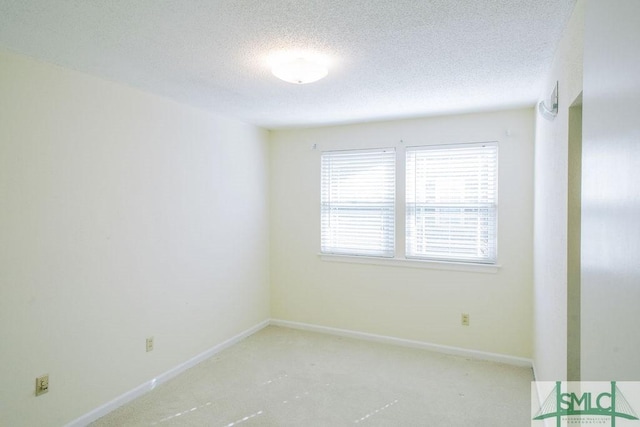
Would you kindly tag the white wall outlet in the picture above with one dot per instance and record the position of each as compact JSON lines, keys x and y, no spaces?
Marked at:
{"x":42,"y":384}
{"x":149,"y":344}
{"x":465,"y":319}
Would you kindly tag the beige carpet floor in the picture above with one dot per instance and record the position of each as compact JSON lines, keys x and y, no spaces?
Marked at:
{"x":286,"y":377}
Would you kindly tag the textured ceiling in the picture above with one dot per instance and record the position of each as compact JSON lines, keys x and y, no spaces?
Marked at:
{"x":391,"y":58}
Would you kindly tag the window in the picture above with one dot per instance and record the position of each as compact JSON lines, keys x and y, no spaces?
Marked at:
{"x":358,"y":202}
{"x":451,"y":202}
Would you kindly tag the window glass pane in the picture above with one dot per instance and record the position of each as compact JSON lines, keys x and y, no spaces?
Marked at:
{"x":451,"y":202}
{"x":358,"y":202}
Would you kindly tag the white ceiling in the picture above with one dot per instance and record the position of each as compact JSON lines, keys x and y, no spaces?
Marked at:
{"x":391,"y":58}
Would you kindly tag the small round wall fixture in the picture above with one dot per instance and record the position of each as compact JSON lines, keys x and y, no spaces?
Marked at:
{"x":550,"y":111}
{"x":298,"y":67}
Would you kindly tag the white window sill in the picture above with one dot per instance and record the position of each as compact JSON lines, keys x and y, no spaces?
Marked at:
{"x":413,"y":263}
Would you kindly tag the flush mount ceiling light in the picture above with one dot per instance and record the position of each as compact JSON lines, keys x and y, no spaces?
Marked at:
{"x":299,"y":67}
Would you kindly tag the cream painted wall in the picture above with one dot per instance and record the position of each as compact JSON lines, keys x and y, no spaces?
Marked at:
{"x":410,"y":303}
{"x":611,"y":192}
{"x":122,"y":215}
{"x":551,"y":199}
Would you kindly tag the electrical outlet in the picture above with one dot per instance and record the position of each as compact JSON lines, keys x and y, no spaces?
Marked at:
{"x":149,"y":344}
{"x":465,"y":319}
{"x":42,"y":384}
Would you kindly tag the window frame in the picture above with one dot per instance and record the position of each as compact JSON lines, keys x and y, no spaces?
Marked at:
{"x":400,"y":260}
{"x":461,"y":212}
{"x":388,"y":238}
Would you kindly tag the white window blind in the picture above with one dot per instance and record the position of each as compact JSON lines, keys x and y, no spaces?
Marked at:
{"x":358,"y":202}
{"x":451,"y":202}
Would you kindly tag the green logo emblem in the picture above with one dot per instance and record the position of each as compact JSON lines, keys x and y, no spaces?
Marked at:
{"x":611,"y":404}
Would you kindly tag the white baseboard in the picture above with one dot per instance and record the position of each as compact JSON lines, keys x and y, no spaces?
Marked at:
{"x":103,"y":410}
{"x":533,"y":368}
{"x":456,"y":351}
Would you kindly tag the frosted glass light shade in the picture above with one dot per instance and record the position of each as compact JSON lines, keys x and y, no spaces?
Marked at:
{"x":299,"y":70}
